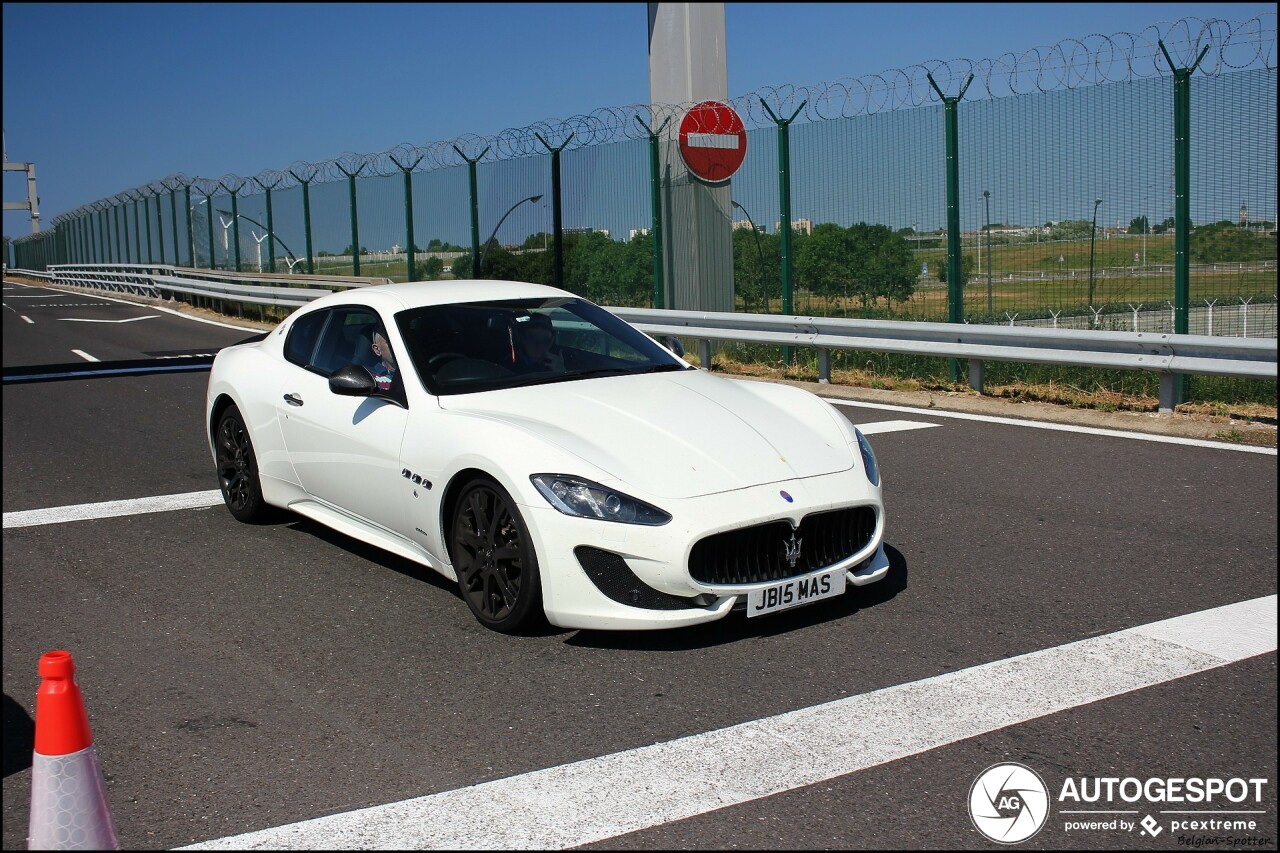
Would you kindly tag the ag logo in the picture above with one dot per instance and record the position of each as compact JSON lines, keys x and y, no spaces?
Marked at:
{"x":1008,"y":803}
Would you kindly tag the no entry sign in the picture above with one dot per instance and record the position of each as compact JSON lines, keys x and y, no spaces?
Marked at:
{"x":713,"y":141}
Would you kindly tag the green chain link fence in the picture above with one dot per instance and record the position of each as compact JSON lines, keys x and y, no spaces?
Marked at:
{"x":1063,"y":208}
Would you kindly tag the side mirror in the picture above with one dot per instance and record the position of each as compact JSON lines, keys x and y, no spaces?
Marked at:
{"x":353,"y":381}
{"x":672,"y":343}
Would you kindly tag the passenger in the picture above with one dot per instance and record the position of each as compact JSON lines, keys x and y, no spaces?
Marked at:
{"x":384,"y":372}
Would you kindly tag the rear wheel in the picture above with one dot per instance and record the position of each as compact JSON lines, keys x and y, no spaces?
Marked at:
{"x":238,"y":469}
{"x":494,"y":558}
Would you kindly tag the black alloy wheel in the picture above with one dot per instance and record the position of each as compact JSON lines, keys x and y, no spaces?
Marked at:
{"x":494,"y":558}
{"x":238,"y":469}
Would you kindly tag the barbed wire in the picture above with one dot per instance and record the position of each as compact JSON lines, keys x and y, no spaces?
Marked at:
{"x":1069,"y":64}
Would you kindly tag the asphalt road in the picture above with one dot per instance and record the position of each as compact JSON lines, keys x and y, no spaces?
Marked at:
{"x":239,"y":678}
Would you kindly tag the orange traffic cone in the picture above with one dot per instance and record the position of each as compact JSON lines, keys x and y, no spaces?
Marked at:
{"x":68,"y":801}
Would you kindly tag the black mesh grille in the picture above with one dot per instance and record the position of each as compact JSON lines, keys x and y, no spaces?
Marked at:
{"x":611,"y":575}
{"x":757,"y":554}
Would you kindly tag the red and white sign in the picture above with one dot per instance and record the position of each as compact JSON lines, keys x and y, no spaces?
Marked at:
{"x":713,"y":141}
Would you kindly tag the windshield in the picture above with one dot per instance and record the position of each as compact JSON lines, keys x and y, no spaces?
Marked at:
{"x":486,"y":346}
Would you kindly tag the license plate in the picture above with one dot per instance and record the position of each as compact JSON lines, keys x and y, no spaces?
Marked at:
{"x":793,"y":593}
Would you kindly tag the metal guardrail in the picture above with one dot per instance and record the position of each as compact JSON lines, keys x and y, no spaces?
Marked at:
{"x":1167,"y":354}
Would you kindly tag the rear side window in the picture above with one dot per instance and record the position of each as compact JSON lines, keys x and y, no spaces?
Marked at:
{"x":302,"y":337}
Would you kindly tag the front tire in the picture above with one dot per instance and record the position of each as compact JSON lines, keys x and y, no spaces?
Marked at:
{"x":238,"y":469}
{"x":494,"y":558}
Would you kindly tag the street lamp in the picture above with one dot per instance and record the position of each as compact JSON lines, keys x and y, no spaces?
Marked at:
{"x":764,"y":292}
{"x":1092,"y":238}
{"x":485,"y":247}
{"x":986,"y":199}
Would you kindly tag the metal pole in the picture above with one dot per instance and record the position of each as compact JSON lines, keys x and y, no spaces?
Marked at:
{"x":655,"y":181}
{"x":955,"y":267}
{"x":1092,"y":237}
{"x":235,"y":221}
{"x":475,"y":208}
{"x":557,"y":231}
{"x":208,"y":203}
{"x":1181,"y":201}
{"x":986,"y":198}
{"x":355,"y":221}
{"x":115,"y":214}
{"x":306,"y":217}
{"x":408,"y":213}
{"x":784,"y":209}
{"x":137,"y":231}
{"x":271,"y":234}
{"x":146,"y":200}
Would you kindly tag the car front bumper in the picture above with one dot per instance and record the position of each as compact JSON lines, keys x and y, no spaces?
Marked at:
{"x":640,"y":578}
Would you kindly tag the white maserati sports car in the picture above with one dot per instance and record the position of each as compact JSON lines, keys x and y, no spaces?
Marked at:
{"x":552,"y":459}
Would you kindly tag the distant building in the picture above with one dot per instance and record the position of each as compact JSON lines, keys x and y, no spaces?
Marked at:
{"x":742,"y":223}
{"x":604,"y":231}
{"x":804,"y":225}
{"x":636,"y":232}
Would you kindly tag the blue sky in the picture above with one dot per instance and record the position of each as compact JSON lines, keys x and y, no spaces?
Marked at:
{"x":104,"y":97}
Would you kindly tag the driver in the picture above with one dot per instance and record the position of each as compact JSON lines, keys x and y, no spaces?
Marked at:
{"x":535,"y":351}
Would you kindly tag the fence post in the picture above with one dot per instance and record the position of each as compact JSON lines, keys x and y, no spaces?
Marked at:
{"x":408,"y":212}
{"x":146,"y":212}
{"x":271,"y":233}
{"x":137,"y":230}
{"x":115,"y":214}
{"x":102,"y":232}
{"x":355,"y":221}
{"x":306,"y":216}
{"x":955,"y":266}
{"x":159,"y":224}
{"x":208,"y":203}
{"x":655,"y":180}
{"x":235,"y":217}
{"x":557,"y":232}
{"x":784,"y":209}
{"x":1181,"y":200}
{"x":475,"y":208}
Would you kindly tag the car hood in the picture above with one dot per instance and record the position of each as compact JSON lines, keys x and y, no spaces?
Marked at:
{"x":675,"y":435}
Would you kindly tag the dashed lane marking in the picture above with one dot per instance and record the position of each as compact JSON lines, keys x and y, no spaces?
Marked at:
{"x":85,"y":355}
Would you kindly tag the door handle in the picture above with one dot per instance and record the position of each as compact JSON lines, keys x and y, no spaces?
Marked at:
{"x":293,"y":399}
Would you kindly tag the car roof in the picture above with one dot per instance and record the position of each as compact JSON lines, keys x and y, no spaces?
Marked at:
{"x":416,"y":294}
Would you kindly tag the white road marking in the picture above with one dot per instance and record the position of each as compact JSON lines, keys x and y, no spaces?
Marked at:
{"x":28,"y":319}
{"x":37,"y":295}
{"x":892,"y":426}
{"x":1112,"y":433}
{"x":166,"y":311}
{"x":600,"y":798}
{"x":111,"y":509}
{"x":85,"y":355}
{"x":125,"y":320}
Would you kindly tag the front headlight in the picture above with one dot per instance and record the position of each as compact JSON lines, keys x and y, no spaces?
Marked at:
{"x":585,"y":499}
{"x":868,"y":458}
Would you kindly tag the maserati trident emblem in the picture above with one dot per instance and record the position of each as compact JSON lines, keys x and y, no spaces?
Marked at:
{"x":792,"y":550}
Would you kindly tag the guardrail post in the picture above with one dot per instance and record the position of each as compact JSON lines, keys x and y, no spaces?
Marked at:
{"x":824,"y":366}
{"x":955,"y":266}
{"x":655,"y":195}
{"x":1181,"y":199}
{"x":975,"y":374}
{"x":557,"y":232}
{"x":704,"y":353}
{"x":1168,"y":392}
